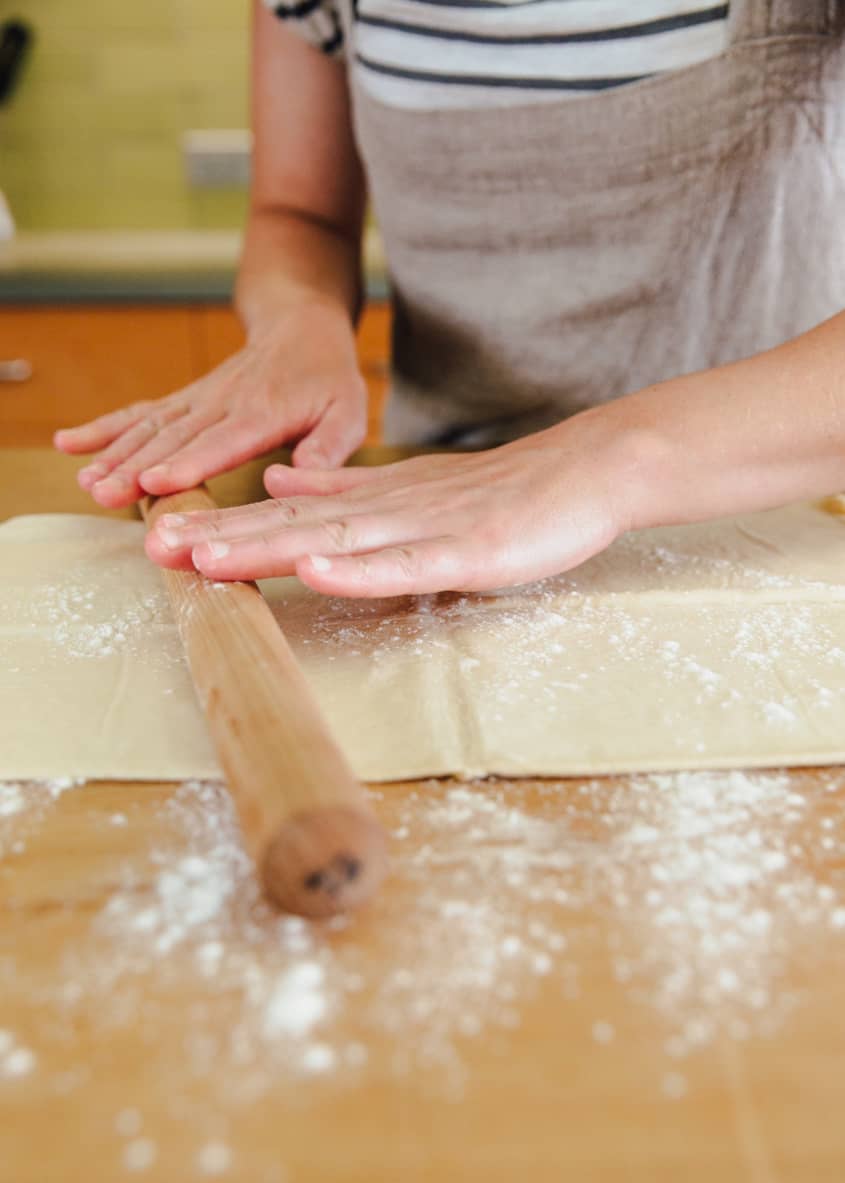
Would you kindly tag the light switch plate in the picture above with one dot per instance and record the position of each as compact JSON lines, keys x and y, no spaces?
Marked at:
{"x":7,"y":224}
{"x":217,"y":158}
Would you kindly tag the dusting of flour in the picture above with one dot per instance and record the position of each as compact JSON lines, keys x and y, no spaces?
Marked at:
{"x":81,"y":624}
{"x":703,"y":880}
{"x":23,"y":804}
{"x":705,"y":883}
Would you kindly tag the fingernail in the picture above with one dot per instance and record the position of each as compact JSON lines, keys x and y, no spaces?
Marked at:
{"x":91,"y":475}
{"x":169,"y":538}
{"x":317,"y":458}
{"x":320,"y":563}
{"x":173,"y":519}
{"x":160,"y":470}
{"x":111,"y":484}
{"x":218,"y":550}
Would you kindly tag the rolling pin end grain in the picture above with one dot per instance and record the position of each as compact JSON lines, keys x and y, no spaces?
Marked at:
{"x":325,"y":861}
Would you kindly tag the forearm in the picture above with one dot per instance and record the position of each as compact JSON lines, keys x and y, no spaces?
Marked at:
{"x":290,"y":259}
{"x":751,"y":435}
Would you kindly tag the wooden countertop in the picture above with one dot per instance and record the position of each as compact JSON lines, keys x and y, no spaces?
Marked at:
{"x":578,"y":980}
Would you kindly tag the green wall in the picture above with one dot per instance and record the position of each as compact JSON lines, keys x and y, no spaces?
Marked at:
{"x":91,"y":137}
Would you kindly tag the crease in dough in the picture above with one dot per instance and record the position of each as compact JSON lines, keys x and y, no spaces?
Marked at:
{"x":710,"y":646}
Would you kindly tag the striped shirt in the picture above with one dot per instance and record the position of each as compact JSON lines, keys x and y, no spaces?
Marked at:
{"x":425,"y":54}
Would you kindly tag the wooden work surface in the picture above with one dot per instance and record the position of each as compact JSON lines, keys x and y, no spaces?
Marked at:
{"x":615,"y":1031}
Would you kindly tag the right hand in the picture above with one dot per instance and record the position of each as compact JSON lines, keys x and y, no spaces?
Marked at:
{"x":298,"y":382}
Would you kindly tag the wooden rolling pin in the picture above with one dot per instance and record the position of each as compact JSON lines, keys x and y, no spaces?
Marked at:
{"x":317,"y":844}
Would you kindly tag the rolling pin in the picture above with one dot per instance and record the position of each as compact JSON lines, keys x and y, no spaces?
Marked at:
{"x":317,"y":844}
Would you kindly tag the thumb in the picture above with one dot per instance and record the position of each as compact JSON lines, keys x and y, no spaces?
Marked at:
{"x":333,"y":440}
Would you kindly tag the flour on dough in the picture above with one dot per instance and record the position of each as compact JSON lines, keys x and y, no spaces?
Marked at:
{"x":715,"y":645}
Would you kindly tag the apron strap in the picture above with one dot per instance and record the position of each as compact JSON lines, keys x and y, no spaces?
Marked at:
{"x":752,"y":19}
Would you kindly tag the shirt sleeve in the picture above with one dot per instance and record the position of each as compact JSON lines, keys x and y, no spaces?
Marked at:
{"x":317,"y":21}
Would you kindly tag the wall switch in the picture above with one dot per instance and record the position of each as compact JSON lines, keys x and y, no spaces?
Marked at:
{"x":217,"y":158}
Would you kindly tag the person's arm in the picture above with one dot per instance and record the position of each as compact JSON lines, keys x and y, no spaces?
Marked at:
{"x":751,"y":435}
{"x":298,"y":293}
{"x":303,"y":239}
{"x":746,"y":436}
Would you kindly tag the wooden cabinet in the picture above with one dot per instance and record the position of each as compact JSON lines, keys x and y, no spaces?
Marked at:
{"x":374,"y":356}
{"x":87,"y":360}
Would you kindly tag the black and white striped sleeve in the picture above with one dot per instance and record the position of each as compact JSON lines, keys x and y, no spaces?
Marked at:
{"x":317,"y":21}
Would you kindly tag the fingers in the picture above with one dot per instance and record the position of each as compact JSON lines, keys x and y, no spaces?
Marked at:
{"x":164,"y":556}
{"x":230,"y":442}
{"x":220,"y":446}
{"x":171,"y":542}
{"x":339,"y":432}
{"x":90,"y":437}
{"x":123,"y":446}
{"x":121,"y":435}
{"x":282,"y":481}
{"x":417,"y":568}
{"x":180,"y":533}
{"x":263,"y":555}
{"x":132,"y":453}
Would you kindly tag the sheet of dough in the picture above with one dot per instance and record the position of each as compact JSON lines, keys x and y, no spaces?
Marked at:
{"x":714,"y":645}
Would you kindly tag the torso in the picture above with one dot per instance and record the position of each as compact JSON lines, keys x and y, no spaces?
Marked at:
{"x":549,"y":253}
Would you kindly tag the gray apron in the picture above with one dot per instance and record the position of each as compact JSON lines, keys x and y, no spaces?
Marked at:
{"x":548,"y":257}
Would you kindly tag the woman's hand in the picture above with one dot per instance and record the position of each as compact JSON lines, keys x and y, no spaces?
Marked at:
{"x":298,"y":382}
{"x":750,"y":435}
{"x":443,"y":522}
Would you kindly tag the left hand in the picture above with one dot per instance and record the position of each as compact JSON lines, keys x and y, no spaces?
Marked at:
{"x":467,"y":521}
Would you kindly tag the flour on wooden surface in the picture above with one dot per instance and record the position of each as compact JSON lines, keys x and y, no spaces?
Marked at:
{"x":215,"y":1158}
{"x":16,"y":1060}
{"x":703,"y":885}
{"x":22,"y":805}
{"x":702,"y":880}
{"x":139,"y":1155}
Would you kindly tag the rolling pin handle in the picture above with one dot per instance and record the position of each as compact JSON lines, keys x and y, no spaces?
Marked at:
{"x":322,"y":862}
